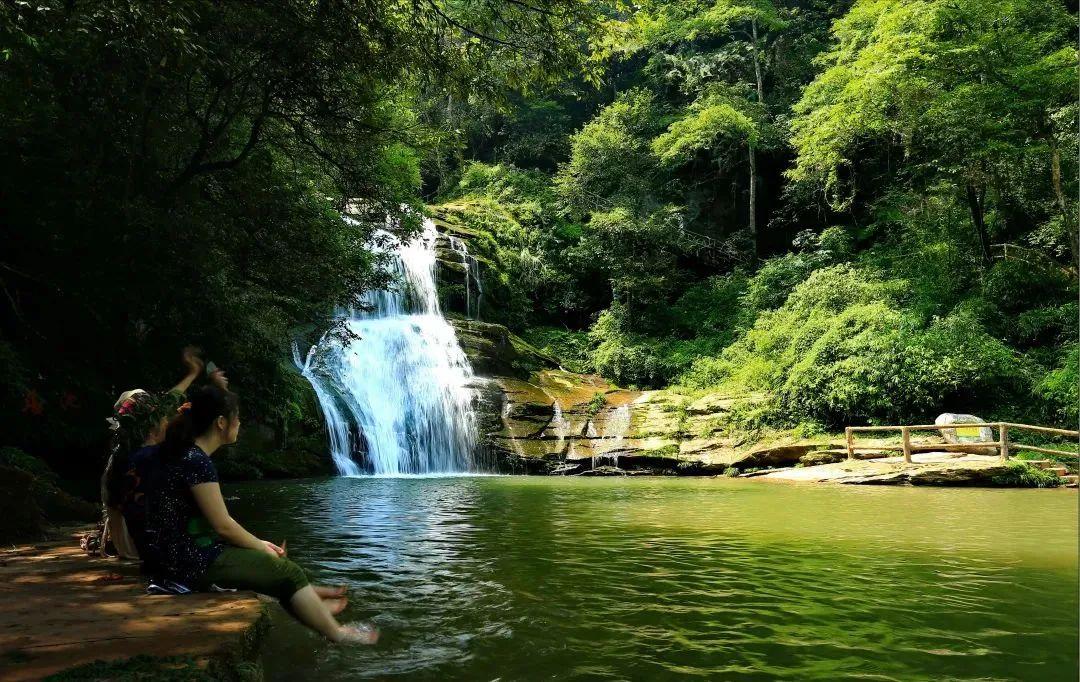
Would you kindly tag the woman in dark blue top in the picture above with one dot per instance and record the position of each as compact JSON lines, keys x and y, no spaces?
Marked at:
{"x":192,"y":539}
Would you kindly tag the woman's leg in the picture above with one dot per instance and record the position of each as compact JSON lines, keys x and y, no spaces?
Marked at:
{"x":312,"y":611}
{"x":330,"y":591}
{"x":249,"y":569}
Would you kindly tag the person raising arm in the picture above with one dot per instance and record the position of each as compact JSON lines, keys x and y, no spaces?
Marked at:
{"x":197,"y":541}
{"x":138,"y":423}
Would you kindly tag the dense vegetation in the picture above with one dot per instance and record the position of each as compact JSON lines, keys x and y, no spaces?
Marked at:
{"x":174,"y":172}
{"x":864,"y":211}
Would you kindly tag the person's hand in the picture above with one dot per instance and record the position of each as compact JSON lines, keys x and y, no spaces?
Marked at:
{"x":218,"y":378}
{"x":273,"y":550}
{"x":190,"y":357}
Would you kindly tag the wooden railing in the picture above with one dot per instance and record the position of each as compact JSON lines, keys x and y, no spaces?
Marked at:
{"x":1002,"y":443}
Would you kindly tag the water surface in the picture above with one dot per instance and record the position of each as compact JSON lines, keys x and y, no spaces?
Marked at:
{"x":516,"y":578}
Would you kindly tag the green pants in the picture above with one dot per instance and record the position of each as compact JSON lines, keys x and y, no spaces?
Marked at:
{"x":250,"y":569}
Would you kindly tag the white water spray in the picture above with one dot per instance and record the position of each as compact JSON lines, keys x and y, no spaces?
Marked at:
{"x":617,"y":426}
{"x":398,"y":390}
{"x":472,"y":275}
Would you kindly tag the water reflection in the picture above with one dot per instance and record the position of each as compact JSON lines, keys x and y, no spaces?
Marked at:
{"x":525,"y":578}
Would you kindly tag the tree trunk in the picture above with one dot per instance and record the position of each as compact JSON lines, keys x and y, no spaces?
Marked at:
{"x":757,"y":65}
{"x":1055,"y":173}
{"x":976,"y":197}
{"x":752,"y":152}
{"x":1059,"y":196}
{"x":752,"y":211}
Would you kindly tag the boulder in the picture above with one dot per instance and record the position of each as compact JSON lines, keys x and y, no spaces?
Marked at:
{"x":822,"y":457}
{"x":494,"y":351}
{"x":971,"y":434}
{"x":958,"y":476}
{"x":776,"y":455}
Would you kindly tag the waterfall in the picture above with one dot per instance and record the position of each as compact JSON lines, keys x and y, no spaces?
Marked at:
{"x":617,"y":426}
{"x":559,"y":422}
{"x":472,"y":274}
{"x":400,"y":382}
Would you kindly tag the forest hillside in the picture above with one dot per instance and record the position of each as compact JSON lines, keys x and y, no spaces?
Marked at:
{"x":863,"y":210}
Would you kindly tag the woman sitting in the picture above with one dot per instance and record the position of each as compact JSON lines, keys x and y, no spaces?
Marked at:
{"x":196,"y":542}
{"x":138,"y":424}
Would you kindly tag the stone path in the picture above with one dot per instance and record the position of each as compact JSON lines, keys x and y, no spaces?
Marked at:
{"x":60,"y":609}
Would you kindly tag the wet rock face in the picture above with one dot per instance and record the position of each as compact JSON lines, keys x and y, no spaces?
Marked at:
{"x":552,"y":421}
{"x":822,"y":457}
{"x":493,"y":351}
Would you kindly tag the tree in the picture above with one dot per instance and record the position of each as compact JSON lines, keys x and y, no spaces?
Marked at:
{"x":959,"y":90}
{"x":175,"y":171}
{"x":737,"y":38}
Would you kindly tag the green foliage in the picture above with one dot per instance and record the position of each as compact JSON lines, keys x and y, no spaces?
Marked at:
{"x":30,"y":499}
{"x":967,"y":91}
{"x":715,"y":120}
{"x":713,"y":307}
{"x":1021,"y":475}
{"x":529,"y":263}
{"x":595,"y":404}
{"x":777,"y":277}
{"x":633,"y":359}
{"x":841,"y":349}
{"x":174,"y":172}
{"x":611,"y":162}
{"x":1060,"y":389}
{"x":570,"y":348}
{"x":16,"y":458}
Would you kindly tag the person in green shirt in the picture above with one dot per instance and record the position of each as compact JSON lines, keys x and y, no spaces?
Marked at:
{"x":196,"y":542}
{"x":139,"y":419}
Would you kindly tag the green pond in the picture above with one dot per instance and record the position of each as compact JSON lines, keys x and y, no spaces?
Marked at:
{"x":518,"y":578}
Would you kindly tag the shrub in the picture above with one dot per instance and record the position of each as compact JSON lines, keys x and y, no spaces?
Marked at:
{"x":16,"y":458}
{"x":1060,"y":389}
{"x":634,"y":359}
{"x":713,"y":307}
{"x":570,"y":348}
{"x":1021,"y":475}
{"x":842,"y":349}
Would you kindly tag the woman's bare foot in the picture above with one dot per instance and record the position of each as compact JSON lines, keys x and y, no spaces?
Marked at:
{"x":330,"y":591}
{"x":336,"y":606}
{"x":357,"y":633}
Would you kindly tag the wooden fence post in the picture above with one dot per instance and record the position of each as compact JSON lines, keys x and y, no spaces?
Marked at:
{"x":1003,"y":441}
{"x":850,"y":444}
{"x":906,"y":433}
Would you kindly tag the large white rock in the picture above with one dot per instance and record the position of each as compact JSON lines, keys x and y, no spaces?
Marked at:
{"x":971,"y":434}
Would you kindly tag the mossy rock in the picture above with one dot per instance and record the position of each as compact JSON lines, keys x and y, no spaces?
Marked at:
{"x":22,"y":516}
{"x":494,"y":351}
{"x":822,"y":457}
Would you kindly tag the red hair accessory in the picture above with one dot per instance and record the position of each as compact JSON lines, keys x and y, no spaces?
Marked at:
{"x":184,"y":409}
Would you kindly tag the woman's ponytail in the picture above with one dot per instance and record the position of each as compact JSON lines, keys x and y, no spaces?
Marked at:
{"x":195,"y":417}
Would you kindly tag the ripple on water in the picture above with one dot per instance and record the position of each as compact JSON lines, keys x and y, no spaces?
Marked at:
{"x":519,"y":578}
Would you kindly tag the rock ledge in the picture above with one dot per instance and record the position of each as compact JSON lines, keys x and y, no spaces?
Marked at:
{"x":60,"y":609}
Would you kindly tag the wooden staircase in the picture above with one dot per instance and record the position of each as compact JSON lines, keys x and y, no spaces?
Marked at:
{"x":1068,"y":480}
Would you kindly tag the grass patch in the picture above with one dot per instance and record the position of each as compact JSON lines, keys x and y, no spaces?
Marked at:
{"x":1021,"y":475}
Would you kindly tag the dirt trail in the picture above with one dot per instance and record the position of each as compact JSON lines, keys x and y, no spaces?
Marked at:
{"x":60,"y":609}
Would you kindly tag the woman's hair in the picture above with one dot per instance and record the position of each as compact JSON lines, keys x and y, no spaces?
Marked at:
{"x":135,"y":415}
{"x":194,"y":418}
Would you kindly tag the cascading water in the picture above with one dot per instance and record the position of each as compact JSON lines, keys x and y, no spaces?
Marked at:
{"x":617,"y":426}
{"x":402,"y":378}
{"x":559,"y":422}
{"x":472,"y":275}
